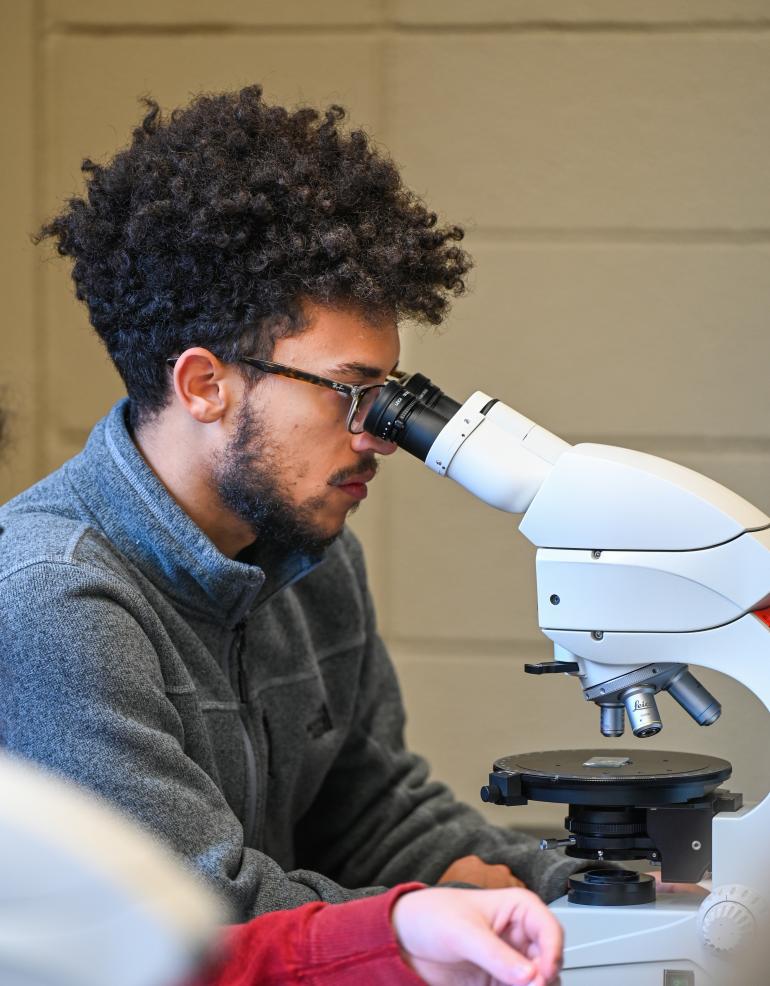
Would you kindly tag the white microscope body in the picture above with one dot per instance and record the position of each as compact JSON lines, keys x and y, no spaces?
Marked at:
{"x":640,"y":563}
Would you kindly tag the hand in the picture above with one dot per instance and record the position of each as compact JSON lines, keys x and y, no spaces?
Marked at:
{"x":453,"y":937}
{"x":488,"y":876}
{"x":676,"y":888}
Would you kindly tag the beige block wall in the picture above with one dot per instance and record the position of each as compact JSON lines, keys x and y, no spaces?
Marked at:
{"x":609,"y":160}
{"x":21,"y":382}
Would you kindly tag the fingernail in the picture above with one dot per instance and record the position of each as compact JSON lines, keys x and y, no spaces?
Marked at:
{"x":524,"y":973}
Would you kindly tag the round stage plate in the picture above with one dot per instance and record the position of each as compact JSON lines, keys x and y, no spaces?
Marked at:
{"x":615,"y":777}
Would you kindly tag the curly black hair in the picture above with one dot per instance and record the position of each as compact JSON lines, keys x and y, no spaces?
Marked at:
{"x":217,"y":221}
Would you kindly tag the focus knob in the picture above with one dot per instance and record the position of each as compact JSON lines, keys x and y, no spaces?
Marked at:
{"x":726,"y":927}
{"x":728,"y":918}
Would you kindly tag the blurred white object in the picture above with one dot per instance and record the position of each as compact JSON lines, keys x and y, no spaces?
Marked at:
{"x":87,"y":898}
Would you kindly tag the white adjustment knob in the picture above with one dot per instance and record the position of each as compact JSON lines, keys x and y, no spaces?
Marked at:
{"x":727,"y":926}
{"x":728,"y":918}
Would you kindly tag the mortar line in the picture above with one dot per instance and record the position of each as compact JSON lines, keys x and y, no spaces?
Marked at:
{"x":496,"y":28}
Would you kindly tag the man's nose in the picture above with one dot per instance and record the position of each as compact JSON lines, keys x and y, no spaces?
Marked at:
{"x":368,"y":443}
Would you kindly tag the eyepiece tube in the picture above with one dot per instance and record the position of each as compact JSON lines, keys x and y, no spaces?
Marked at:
{"x":398,"y":416}
{"x":486,"y":447}
{"x":694,"y":698}
{"x":642,"y":711}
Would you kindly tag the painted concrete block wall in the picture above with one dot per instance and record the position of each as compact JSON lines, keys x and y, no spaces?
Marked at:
{"x":609,"y":162}
{"x":21,"y":381}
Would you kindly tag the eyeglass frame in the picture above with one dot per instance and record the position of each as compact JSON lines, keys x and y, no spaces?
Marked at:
{"x":350,"y":390}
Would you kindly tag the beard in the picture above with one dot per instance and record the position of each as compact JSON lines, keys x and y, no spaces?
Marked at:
{"x":246,"y":484}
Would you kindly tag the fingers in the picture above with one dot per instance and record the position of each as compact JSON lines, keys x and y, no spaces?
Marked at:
{"x":532,"y":938}
{"x":681,"y":888}
{"x":546,"y":935}
{"x":481,"y":946}
{"x":498,"y":877}
{"x":509,"y":934}
{"x":472,"y":869}
{"x":677,"y":888}
{"x":517,"y":940}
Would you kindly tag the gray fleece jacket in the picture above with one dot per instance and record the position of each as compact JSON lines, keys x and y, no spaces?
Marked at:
{"x":245,"y":711}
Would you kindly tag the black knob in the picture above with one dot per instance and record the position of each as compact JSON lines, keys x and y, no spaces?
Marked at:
{"x":491,"y":795}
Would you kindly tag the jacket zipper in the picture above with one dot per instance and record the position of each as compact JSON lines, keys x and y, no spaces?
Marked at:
{"x":250,"y":800}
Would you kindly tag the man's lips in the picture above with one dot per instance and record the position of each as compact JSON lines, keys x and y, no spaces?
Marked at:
{"x":355,"y":486}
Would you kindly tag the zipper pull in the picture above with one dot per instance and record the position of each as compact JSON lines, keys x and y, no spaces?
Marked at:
{"x":240,"y":636}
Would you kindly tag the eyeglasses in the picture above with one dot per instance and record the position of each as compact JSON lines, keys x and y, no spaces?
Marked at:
{"x":361,"y":396}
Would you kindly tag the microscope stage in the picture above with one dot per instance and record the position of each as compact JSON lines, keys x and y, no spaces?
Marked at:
{"x":615,"y":777}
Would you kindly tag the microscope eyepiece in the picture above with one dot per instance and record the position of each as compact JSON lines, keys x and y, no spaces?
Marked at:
{"x":431,"y":395}
{"x":411,"y":413}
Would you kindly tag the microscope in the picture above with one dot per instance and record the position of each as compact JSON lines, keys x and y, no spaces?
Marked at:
{"x":643,"y":567}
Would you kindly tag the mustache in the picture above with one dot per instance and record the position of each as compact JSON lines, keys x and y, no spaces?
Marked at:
{"x":366,"y":464}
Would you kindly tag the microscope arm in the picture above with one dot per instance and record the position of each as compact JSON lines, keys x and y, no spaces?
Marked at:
{"x":636,"y":555}
{"x":585,"y":496}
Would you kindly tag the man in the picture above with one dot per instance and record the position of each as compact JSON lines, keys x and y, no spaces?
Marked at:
{"x":185,"y":619}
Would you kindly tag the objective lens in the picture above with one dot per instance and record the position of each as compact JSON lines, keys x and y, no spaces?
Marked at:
{"x":694,"y":698}
{"x":399,"y":416}
{"x":642,"y":711}
{"x":613,"y":719}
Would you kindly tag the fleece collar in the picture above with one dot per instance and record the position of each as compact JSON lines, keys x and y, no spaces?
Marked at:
{"x":137,"y":514}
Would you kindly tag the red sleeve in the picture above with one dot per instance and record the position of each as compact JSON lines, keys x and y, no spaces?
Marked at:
{"x":317,"y":944}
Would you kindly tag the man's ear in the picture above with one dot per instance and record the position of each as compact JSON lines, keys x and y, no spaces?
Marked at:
{"x":204,"y":385}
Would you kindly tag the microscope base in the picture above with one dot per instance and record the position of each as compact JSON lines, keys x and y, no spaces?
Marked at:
{"x":655,"y":944}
